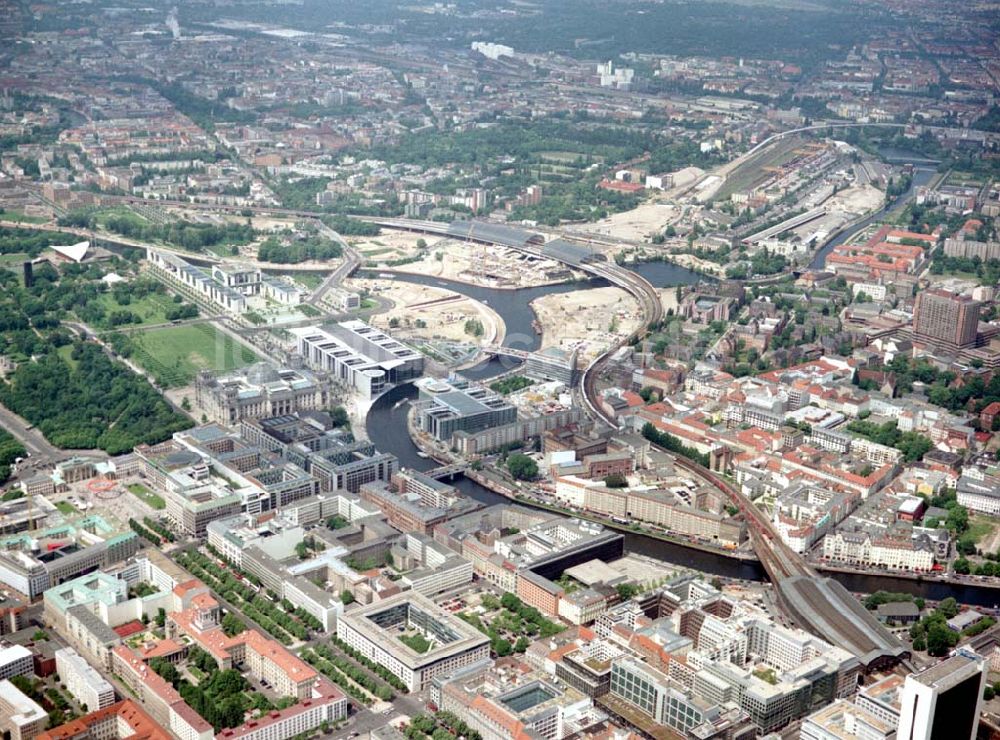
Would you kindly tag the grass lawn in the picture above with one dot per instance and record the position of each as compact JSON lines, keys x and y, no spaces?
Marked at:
{"x":66,"y":508}
{"x":222,"y":250}
{"x":310,"y":280}
{"x":66,"y":352}
{"x":144,"y":494}
{"x":151,"y":308}
{"x":21,"y":218}
{"x":569,"y":157}
{"x":981,"y":528}
{"x":416,"y":642}
{"x":14,"y":258}
{"x":174,"y":355}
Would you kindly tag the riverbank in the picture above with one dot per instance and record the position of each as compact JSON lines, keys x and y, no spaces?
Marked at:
{"x":917,"y":577}
{"x":431,"y":313}
{"x":487,"y":482}
{"x":491,"y":483}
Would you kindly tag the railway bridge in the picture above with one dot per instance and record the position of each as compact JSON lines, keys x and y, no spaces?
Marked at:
{"x":820,"y":605}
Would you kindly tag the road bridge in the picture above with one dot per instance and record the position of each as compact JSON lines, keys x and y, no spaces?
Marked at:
{"x":499,"y":349}
{"x":447,"y":471}
{"x":352,"y":260}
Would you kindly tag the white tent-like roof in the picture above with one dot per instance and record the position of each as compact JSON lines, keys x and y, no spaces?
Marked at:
{"x":75,"y":252}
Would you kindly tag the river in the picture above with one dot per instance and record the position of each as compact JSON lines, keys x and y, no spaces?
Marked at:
{"x":387,"y":428}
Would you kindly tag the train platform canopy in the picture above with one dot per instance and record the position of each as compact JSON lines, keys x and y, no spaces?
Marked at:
{"x":825,"y":608}
{"x":565,"y":251}
{"x":481,"y":231}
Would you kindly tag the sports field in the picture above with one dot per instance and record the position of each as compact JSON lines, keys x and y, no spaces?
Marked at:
{"x":174,"y":355}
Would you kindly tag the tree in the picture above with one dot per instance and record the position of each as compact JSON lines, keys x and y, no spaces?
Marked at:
{"x":502,"y":648}
{"x":232,"y":625}
{"x":522,"y":467}
{"x":627,"y":590}
{"x":948,"y":607}
{"x":346,"y":597}
{"x":161,"y":617}
{"x":615,"y":480}
{"x":938,"y":639}
{"x":340,"y":417}
{"x":166,"y":670}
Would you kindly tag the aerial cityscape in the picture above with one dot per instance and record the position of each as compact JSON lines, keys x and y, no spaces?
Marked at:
{"x":500,"y":370}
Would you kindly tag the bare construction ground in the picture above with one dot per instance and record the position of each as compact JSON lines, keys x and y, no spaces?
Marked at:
{"x":433,"y":313}
{"x":390,"y":245}
{"x":639,"y":224}
{"x":589,"y":319}
{"x":485,"y":265}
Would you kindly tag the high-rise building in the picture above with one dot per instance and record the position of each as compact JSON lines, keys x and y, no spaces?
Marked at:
{"x":944,"y":701}
{"x":945,"y":317}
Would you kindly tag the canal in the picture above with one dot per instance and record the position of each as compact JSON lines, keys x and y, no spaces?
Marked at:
{"x":922,"y":174}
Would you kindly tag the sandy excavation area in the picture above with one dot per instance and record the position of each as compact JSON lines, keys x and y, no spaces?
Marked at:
{"x":390,"y":245}
{"x":486,"y":265}
{"x":857,"y":200}
{"x":639,"y":224}
{"x":432,"y":313}
{"x":590,"y":319}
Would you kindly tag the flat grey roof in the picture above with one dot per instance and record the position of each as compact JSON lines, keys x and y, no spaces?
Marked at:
{"x":462,"y":403}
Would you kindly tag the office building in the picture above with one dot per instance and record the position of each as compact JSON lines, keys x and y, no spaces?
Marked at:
{"x":390,"y":631}
{"x":359,"y":356}
{"x":656,"y":695}
{"x":331,"y":456}
{"x":126,"y":719}
{"x":15,"y":660}
{"x":194,"y":282}
{"x":85,"y":684}
{"x":447,"y":407}
{"x":947,"y":318}
{"x":944,"y":701}
{"x":32,"y":562}
{"x":552,"y":363}
{"x":842,"y":720}
{"x":21,"y":718}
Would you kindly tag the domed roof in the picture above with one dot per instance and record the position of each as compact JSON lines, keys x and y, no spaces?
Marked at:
{"x":261,"y":373}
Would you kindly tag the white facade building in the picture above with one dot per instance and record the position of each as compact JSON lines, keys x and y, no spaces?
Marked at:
{"x":85,"y":684}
